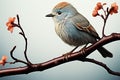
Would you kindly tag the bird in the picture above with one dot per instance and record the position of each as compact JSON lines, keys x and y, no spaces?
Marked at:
{"x":73,"y":28}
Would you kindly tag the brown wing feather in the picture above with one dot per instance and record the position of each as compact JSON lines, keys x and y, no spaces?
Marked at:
{"x":88,"y":29}
{"x":83,"y":24}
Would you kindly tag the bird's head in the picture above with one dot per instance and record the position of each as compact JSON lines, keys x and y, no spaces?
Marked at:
{"x":62,"y":11}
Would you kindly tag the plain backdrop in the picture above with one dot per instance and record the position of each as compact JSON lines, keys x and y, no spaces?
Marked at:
{"x":44,"y":44}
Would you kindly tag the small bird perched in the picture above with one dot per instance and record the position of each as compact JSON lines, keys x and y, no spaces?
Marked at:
{"x":73,"y":28}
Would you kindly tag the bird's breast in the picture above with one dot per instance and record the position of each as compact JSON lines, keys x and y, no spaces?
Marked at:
{"x":71,"y":35}
{"x":61,"y":31}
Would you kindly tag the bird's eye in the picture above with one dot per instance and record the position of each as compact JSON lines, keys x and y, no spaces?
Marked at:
{"x":59,"y":12}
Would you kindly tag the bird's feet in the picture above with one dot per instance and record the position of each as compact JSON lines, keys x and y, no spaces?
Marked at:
{"x":83,"y":49}
{"x":67,"y":55}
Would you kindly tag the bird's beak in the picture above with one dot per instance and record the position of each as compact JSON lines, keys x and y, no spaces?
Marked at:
{"x":50,"y":15}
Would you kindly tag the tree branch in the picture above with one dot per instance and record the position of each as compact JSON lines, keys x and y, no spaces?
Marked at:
{"x":81,"y":55}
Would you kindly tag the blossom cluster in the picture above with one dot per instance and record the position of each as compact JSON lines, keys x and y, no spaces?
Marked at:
{"x":3,"y":60}
{"x":10,"y":24}
{"x":99,"y":6}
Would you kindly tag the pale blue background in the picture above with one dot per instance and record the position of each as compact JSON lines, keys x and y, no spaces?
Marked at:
{"x":44,"y":44}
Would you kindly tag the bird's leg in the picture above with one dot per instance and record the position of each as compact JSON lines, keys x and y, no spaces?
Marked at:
{"x":73,"y":49}
{"x":83,"y":48}
{"x":66,"y":55}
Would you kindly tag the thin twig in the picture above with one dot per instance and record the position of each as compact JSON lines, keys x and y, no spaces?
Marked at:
{"x":16,"y":59}
{"x":26,"y":42}
{"x":102,"y":65}
{"x":105,"y":13}
{"x":105,"y":20}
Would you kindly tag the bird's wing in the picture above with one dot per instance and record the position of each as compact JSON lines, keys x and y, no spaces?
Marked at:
{"x":81,"y":23}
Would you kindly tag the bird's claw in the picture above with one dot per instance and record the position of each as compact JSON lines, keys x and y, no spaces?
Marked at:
{"x":66,"y":55}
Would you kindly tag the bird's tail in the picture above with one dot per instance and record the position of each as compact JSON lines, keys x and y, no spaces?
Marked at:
{"x":104,"y":52}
